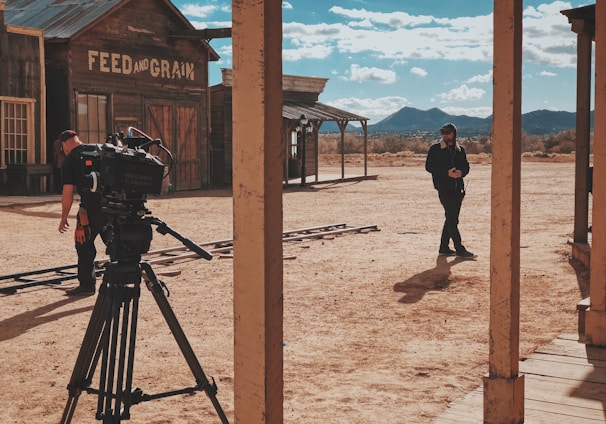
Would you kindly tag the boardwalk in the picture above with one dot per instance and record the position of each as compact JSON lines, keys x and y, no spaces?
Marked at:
{"x":565,"y":382}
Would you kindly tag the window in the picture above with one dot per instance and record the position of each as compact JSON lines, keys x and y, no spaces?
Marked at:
{"x":294,"y":144}
{"x":92,"y":118}
{"x":16,"y":131}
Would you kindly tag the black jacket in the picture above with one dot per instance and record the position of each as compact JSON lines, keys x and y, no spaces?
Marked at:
{"x":73,"y":171}
{"x":441,"y":158}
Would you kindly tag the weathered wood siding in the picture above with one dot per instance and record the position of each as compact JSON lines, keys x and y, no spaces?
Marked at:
{"x":23,"y":76}
{"x":153,"y":81}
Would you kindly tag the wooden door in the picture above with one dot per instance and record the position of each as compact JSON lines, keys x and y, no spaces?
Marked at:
{"x":177,"y":124}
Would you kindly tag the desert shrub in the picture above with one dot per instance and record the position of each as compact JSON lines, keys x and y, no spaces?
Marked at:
{"x":327,"y":146}
{"x":563,"y":142}
{"x":532,"y":143}
{"x":352,"y":144}
{"x":564,"y":147}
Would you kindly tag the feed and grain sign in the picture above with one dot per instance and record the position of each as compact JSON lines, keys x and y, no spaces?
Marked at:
{"x":124,"y":64}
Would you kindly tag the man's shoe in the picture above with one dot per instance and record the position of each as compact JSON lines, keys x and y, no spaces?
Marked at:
{"x":81,"y":291}
{"x":466,"y":254}
{"x":447,"y":252}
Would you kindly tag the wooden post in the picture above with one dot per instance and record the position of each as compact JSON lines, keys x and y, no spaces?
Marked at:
{"x":581,"y":195}
{"x":257,"y":193}
{"x":4,"y":56}
{"x":504,"y":387}
{"x":595,"y":323}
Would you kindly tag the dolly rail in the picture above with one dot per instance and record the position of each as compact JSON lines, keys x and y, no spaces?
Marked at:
{"x":9,"y":284}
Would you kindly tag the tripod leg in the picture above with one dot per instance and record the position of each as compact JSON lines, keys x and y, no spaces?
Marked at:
{"x":115,"y":364}
{"x":210,"y":389}
{"x":88,"y":356}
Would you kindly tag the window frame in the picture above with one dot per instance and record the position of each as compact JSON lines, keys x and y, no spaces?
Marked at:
{"x":29,"y":127}
{"x":84,"y":128}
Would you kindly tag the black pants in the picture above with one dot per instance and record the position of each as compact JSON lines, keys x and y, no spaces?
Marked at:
{"x":87,"y":251}
{"x":451,"y":201}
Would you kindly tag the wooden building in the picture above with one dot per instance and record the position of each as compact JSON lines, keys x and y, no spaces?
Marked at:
{"x":299,"y":141}
{"x":114,"y":64}
{"x":23,"y":167}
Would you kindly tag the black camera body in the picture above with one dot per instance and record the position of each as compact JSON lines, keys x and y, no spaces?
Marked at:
{"x":123,"y":176}
{"x":120,"y":169}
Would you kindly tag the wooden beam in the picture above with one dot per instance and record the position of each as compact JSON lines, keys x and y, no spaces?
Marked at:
{"x":583,"y":130}
{"x":595,"y":323}
{"x":203,"y":34}
{"x":257,"y":197}
{"x":504,"y":387}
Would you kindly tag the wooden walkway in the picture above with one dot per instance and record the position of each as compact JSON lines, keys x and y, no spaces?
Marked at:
{"x":565,"y":382}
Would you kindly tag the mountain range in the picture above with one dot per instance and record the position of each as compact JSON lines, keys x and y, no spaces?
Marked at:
{"x":409,"y":121}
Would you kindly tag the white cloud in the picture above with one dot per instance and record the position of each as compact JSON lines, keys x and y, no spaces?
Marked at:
{"x":418,"y":71}
{"x":373,"y":109}
{"x":197,"y":11}
{"x":207,"y":24}
{"x":548,"y":74}
{"x":462,"y":93}
{"x":478,"y":112}
{"x":393,"y":19}
{"x":306,"y":52}
{"x":547,"y":38}
{"x":364,"y":74}
{"x":482,"y":78}
{"x":286,"y":5}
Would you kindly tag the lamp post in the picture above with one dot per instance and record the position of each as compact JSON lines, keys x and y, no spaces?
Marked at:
{"x":304,"y":127}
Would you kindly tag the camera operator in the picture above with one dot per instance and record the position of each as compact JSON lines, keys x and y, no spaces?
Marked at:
{"x":89,"y":220}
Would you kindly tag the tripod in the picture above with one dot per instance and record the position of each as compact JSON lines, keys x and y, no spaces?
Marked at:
{"x":111,"y":332}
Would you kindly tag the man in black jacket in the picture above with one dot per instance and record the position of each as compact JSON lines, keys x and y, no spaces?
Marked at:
{"x":448,"y":165}
{"x":89,"y":220}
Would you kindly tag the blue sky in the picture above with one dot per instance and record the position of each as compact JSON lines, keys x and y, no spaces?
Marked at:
{"x":381,"y":55}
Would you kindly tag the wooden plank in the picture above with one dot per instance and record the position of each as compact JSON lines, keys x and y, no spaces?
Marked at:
{"x":565,"y":392}
{"x":570,"y":371}
{"x":566,"y":360}
{"x":547,"y":400}
{"x":532,"y":416}
{"x":572,"y":414}
{"x":571,"y":348}
{"x":565,"y":382}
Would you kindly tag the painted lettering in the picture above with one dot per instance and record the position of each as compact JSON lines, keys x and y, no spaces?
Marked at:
{"x":116,"y":63}
{"x":154,"y":68}
{"x":92,"y":58}
{"x":141,"y":65}
{"x":127,"y":64}
{"x":103,"y":59}
{"x":176,"y":70}
{"x":165,"y":68}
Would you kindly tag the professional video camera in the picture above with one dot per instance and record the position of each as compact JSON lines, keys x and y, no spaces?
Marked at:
{"x":123,"y":172}
{"x":123,"y":167}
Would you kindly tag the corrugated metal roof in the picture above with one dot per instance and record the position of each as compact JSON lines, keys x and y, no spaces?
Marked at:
{"x":293,"y":109}
{"x":57,"y":18}
{"x":64,"y":19}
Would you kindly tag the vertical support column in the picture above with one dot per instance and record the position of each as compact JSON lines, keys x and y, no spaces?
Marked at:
{"x":595,"y":323}
{"x":4,"y":56}
{"x":503,"y":387}
{"x":581,"y":195}
{"x":257,"y":194}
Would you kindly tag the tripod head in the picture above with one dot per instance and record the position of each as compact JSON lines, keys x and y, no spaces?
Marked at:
{"x":128,"y":233}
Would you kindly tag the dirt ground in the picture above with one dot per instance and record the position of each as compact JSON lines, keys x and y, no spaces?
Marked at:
{"x":377,"y":327}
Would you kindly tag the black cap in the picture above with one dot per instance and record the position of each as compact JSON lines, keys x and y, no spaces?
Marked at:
{"x":67,"y":134}
{"x":448,"y":127}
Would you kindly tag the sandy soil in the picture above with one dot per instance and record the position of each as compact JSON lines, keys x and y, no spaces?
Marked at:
{"x":377,"y":327}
